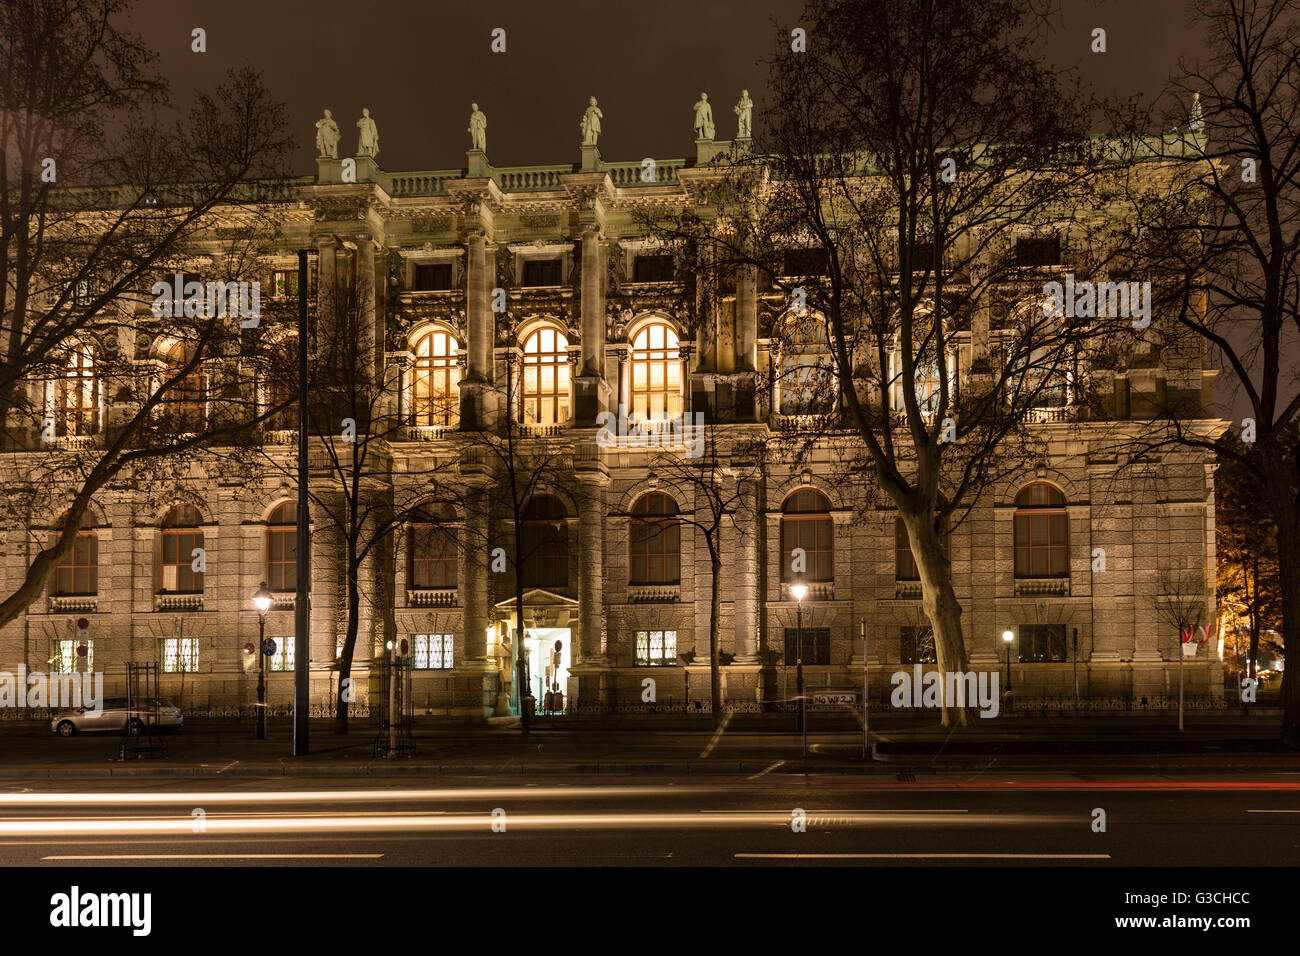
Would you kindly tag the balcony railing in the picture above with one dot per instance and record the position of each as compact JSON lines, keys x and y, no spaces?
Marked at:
{"x":74,"y":604}
{"x":1051,"y":416}
{"x":178,"y":602}
{"x":427,"y":432}
{"x":431,"y":597}
{"x":654,"y":593}
{"x":1052,"y":587}
{"x":543,"y":431}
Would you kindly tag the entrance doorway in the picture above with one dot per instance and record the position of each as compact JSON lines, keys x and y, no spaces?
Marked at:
{"x":548,"y":666}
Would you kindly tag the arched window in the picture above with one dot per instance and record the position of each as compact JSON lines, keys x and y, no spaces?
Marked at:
{"x":806,"y":523}
{"x":655,"y":542}
{"x":925,"y":370}
{"x":79,"y":572}
{"x":656,"y":372}
{"x":435,"y":380}
{"x":905,"y":568}
{"x":1042,"y":533}
{"x":282,"y":548}
{"x":180,"y":537}
{"x":185,"y":401}
{"x":1043,"y":368}
{"x":807,"y":375}
{"x":434,"y":560}
{"x":79,"y":392}
{"x":281,"y":384}
{"x":546,"y":378}
{"x":544,"y":541}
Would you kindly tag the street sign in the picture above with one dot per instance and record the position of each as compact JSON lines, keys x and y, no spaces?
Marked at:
{"x":83,"y":623}
{"x":82,"y":650}
{"x":250,"y":648}
{"x":268,"y":647}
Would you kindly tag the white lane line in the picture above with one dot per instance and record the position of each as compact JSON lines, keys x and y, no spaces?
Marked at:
{"x":779,"y":763}
{"x":922,"y":856}
{"x":222,"y":856}
{"x":1273,"y":811}
{"x":717,"y":736}
{"x":842,"y":813}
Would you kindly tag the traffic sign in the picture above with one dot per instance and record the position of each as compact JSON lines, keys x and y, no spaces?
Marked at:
{"x":268,"y":647}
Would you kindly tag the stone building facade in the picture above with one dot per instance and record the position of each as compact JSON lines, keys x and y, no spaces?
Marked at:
{"x":594,"y":316}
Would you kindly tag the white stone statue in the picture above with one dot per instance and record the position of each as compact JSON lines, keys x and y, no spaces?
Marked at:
{"x":477,"y":129}
{"x":590,"y":125}
{"x":703,"y":118}
{"x":368,"y":139}
{"x":327,"y":137}
{"x":745,"y":111}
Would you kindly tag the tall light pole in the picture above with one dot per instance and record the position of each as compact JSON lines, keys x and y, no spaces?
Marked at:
{"x":799,"y":590}
{"x":261,"y":601}
{"x":1007,"y":638}
{"x":866,"y":698}
{"x":301,"y":620}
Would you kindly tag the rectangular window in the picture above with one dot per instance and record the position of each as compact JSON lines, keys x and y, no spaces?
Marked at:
{"x":656,"y":648}
{"x":178,"y":574}
{"x":433,"y":557}
{"x":64,"y":658}
{"x":433,"y":277}
{"x":79,"y":574}
{"x":652,"y":269}
{"x":284,"y":282}
{"x":804,"y":262}
{"x":1033,"y":253}
{"x":816,"y":645}
{"x":922,"y":256}
{"x":178,"y":654}
{"x":916,"y":645}
{"x":539,"y":272}
{"x":282,"y":659}
{"x":1040,"y":643}
{"x":431,"y":652}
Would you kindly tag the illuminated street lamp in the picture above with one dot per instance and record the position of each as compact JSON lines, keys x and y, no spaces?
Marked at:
{"x":799,"y":590}
{"x":262,"y":601}
{"x":1007,"y":638}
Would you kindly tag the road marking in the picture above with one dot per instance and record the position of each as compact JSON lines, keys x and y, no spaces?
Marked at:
{"x":779,"y":763}
{"x":717,"y":736}
{"x":1273,"y":811}
{"x":222,"y":856}
{"x":922,"y":856}
{"x":840,"y":812}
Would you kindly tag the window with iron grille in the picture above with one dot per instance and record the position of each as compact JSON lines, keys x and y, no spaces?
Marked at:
{"x":178,"y":654}
{"x":655,"y":541}
{"x":656,"y":648}
{"x":541,"y":272}
{"x":816,"y":645}
{"x":64,"y":658}
{"x":652,"y":269}
{"x":282,"y":659}
{"x":181,"y":536}
{"x":916,"y":644}
{"x":433,"y":277}
{"x":1040,"y":643}
{"x":431,"y":652}
{"x":806,"y":523}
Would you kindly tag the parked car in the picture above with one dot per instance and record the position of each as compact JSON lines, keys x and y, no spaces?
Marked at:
{"x":114,"y":717}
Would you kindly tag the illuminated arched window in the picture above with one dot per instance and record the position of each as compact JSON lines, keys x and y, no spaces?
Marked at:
{"x":925,"y":370}
{"x":79,"y":392}
{"x":79,"y":572}
{"x":544,"y":541}
{"x":1042,"y":532}
{"x":435,"y":380}
{"x":185,"y":400}
{"x":807,"y":382}
{"x":806,"y":523}
{"x":656,"y":372}
{"x":181,"y":535}
{"x":434,"y":558}
{"x":546,"y":378}
{"x":282,"y":548}
{"x":655,"y":541}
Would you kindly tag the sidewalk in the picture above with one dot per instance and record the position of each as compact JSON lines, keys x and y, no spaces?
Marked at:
{"x":217,"y":749}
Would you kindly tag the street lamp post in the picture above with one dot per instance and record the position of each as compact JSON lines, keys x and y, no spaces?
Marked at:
{"x":799,"y":590}
{"x":1007,"y":638}
{"x":261,"y":601}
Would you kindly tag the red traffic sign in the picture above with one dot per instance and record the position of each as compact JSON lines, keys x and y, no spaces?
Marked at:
{"x":250,"y":647}
{"x":83,"y":623}
{"x":82,"y":650}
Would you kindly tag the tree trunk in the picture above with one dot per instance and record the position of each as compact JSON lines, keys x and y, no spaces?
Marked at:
{"x":939,"y":601}
{"x":349,"y":643}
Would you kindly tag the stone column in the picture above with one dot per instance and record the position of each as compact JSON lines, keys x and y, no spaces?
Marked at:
{"x":474,"y":580}
{"x":366,"y":293}
{"x":591,"y":576}
{"x":746,"y":318}
{"x":591,"y":390}
{"x":475,"y":406}
{"x":327,"y":249}
{"x":746,"y":594}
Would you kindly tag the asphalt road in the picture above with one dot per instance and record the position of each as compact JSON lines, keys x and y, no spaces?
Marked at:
{"x":1204,"y":819}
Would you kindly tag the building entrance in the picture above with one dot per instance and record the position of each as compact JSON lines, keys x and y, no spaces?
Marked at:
{"x":548,"y":666}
